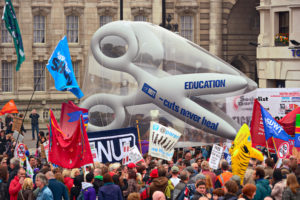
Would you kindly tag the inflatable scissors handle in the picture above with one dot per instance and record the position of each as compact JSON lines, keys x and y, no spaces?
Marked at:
{"x":116,"y":104}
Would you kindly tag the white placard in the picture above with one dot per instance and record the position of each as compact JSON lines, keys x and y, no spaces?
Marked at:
{"x":15,"y":135}
{"x":134,"y":155}
{"x":94,"y":152}
{"x":162,"y":141}
{"x":215,"y":156}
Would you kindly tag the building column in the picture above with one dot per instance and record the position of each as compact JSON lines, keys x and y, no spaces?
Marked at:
{"x":215,"y":27}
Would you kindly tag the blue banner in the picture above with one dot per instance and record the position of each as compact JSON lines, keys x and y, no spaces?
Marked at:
{"x":60,"y":67}
{"x":297,"y":140}
{"x":272,"y":128}
{"x":109,"y":144}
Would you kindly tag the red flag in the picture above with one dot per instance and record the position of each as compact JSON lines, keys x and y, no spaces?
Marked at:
{"x":257,"y":129}
{"x":288,"y":121}
{"x":70,"y":114}
{"x":69,"y":152}
{"x":9,"y":107}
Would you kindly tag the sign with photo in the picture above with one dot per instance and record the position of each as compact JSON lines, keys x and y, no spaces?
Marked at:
{"x":162,"y":141}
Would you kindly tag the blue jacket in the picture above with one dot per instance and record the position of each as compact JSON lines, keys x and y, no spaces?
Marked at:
{"x":110,"y":191}
{"x":59,"y":190}
{"x":45,"y":194}
{"x":262,"y":189}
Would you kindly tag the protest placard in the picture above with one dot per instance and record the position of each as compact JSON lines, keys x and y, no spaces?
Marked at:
{"x":162,"y":141}
{"x":215,"y":156}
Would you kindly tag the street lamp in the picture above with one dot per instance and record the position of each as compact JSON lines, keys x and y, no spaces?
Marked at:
{"x":169,"y":26}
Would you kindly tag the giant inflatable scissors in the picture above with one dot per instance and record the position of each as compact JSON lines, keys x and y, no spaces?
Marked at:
{"x":172,"y":93}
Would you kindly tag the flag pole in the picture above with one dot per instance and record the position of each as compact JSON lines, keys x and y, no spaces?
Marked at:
{"x":35,"y":86}
{"x":268,"y":148}
{"x":138,"y":130}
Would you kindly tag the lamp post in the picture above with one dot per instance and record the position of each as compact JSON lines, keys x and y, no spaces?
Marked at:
{"x":172,"y":27}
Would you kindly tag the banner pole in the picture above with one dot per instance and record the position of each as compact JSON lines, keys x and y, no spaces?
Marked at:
{"x":275,"y":147}
{"x":268,"y":148}
{"x":138,"y":131}
{"x":31,"y":99}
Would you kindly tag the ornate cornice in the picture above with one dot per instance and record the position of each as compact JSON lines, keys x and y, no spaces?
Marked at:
{"x":187,"y":7}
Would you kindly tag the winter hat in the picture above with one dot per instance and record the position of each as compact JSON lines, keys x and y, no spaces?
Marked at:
{"x":154,"y":173}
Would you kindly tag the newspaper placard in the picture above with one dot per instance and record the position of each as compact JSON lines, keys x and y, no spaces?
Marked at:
{"x":17,"y":123}
{"x":162,"y":141}
{"x":134,"y":155}
{"x":215,"y":156}
{"x":94,"y":152}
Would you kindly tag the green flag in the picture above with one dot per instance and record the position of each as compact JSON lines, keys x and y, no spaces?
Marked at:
{"x":11,"y":23}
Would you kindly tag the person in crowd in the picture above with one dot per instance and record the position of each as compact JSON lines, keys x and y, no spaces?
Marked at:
{"x":22,"y":130}
{"x":200,"y":190}
{"x":248,"y":191}
{"x":158,"y":195}
{"x":206,"y":171}
{"x":75,"y":172}
{"x":58,"y":176}
{"x":132,"y":183}
{"x":75,"y":190}
{"x":44,"y":192}
{"x":34,"y":123}
{"x":195,"y":167}
{"x":292,"y":191}
{"x":2,"y":141}
{"x":237,"y":179}
{"x":16,"y":184}
{"x":3,"y":183}
{"x":58,"y":189}
{"x":262,"y":185}
{"x":88,"y":189}
{"x":188,"y":157}
{"x":134,"y":196}
{"x":191,"y":172}
{"x":132,"y":166}
{"x":174,"y":179}
{"x":248,"y":177}
{"x":161,"y":183}
{"x":68,"y":181}
{"x":1,"y":125}
{"x":14,"y":168}
{"x":27,"y":190}
{"x":32,"y":162}
{"x":285,"y":168}
{"x":217,"y":193}
{"x":98,"y":179}
{"x":8,"y":123}
{"x":224,"y":176}
{"x":278,"y":185}
{"x":208,"y":184}
{"x":109,"y":191}
{"x":179,"y":188}
{"x":269,"y":166}
{"x":230,"y":189}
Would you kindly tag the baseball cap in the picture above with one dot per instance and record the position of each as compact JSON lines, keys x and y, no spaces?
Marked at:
{"x":174,"y":169}
{"x":131,"y":165}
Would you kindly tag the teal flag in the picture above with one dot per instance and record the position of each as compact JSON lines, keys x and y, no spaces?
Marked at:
{"x":11,"y":23}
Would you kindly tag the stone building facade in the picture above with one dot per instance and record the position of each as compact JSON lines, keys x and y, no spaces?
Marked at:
{"x":278,"y":59}
{"x":224,"y":27}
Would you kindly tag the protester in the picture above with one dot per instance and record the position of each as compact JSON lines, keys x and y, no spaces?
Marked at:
{"x":292,"y":191}
{"x":174,"y":179}
{"x":161,"y":183}
{"x":89,"y":192}
{"x":158,"y":195}
{"x":217,"y":193}
{"x":230,"y":189}
{"x":58,"y":189}
{"x":44,"y":192}
{"x":14,"y":168}
{"x":248,"y":191}
{"x":269,"y":168}
{"x":68,"y":181}
{"x":98,"y":179}
{"x":224,"y":176}
{"x":200,"y":190}
{"x":27,"y":190}
{"x":262,"y":185}
{"x":206,"y":171}
{"x":3,"y":183}
{"x":134,"y":196}
{"x":109,"y":191}
{"x":278,"y":185}
{"x":34,"y":123}
{"x":75,"y":190}
{"x":16,"y":184}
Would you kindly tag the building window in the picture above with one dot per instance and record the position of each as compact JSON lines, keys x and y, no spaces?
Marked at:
{"x":5,"y":36}
{"x":39,"y":76}
{"x":46,"y":114}
{"x":72,"y":28}
{"x":39,"y":29}
{"x":282,"y":37}
{"x":104,"y":20}
{"x":7,"y":76}
{"x":76,"y":70}
{"x":187,"y":27}
{"x":140,"y":18}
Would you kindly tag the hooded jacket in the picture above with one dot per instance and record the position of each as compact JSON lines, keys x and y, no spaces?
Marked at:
{"x":14,"y":188}
{"x":262,"y":189}
{"x":158,"y":184}
{"x":88,"y":191}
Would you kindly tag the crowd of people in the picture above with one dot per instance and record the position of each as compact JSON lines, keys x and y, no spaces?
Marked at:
{"x":187,"y":176}
{"x":182,"y":178}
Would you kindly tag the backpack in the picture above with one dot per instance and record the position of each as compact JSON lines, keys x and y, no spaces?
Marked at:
{"x":169,"y":190}
{"x":81,"y":194}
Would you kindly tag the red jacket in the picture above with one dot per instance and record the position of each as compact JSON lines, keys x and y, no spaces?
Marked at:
{"x":14,"y":188}
{"x":69,"y":183}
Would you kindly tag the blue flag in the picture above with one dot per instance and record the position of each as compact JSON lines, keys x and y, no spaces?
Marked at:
{"x":60,"y":67}
{"x":272,"y":128}
{"x":297,"y":140}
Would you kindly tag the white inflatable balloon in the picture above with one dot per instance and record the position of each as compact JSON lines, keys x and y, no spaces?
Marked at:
{"x":151,"y":54}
